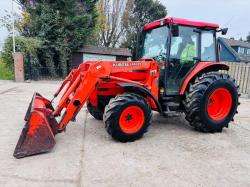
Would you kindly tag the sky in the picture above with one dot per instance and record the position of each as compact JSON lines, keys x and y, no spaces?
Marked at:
{"x":5,"y":5}
{"x":227,"y":13}
{"x":233,"y":14}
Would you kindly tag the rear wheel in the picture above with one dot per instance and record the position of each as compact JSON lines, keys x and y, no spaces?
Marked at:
{"x":94,"y":111}
{"x":211,"y":102}
{"x":127,"y":117}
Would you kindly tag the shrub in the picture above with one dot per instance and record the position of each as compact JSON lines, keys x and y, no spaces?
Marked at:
{"x":5,"y":72}
{"x":28,"y":46}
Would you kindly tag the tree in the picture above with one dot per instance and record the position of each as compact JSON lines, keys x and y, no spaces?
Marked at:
{"x":136,"y":16}
{"x":110,"y":22}
{"x":62,"y":26}
{"x":6,"y":21}
{"x":248,"y":38}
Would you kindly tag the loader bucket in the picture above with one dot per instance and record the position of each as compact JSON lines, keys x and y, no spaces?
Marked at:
{"x":38,"y":133}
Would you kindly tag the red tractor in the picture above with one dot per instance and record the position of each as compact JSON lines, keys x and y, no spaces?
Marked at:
{"x":178,"y":71}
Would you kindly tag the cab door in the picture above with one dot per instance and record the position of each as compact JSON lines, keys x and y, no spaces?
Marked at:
{"x":184,"y":53}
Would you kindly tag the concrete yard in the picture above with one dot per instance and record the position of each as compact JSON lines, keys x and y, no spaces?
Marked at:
{"x":170,"y":154}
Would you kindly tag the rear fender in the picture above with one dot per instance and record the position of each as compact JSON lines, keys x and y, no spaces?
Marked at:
{"x":202,"y":67}
{"x":129,"y":87}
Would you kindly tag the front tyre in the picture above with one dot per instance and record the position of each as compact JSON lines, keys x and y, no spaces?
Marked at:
{"x":211,"y":102}
{"x":94,"y":111}
{"x":127,"y":117}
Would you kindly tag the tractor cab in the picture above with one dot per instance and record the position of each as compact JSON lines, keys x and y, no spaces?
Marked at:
{"x":178,"y":45}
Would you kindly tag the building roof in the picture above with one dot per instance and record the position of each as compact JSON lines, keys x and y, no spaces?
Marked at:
{"x":229,"y":43}
{"x":237,"y":43}
{"x":105,"y":51}
{"x":180,"y":21}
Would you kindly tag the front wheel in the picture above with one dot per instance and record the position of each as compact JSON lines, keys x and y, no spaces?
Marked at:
{"x":94,"y":111}
{"x":211,"y":102}
{"x":127,"y":117}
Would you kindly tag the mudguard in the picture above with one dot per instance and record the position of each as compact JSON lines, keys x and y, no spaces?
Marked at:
{"x":202,"y":67}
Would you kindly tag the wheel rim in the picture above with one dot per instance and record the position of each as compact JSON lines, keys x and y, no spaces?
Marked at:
{"x":131,"y":119}
{"x":219,"y":104}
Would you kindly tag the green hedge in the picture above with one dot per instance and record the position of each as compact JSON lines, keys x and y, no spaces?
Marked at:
{"x":28,"y":46}
{"x":5,"y":72}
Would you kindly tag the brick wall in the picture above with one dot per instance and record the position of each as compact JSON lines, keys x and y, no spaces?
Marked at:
{"x":19,"y":67}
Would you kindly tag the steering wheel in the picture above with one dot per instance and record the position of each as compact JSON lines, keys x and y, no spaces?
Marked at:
{"x":161,"y":57}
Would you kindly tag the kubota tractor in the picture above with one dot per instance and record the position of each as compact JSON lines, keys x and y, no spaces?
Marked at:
{"x":178,"y":71}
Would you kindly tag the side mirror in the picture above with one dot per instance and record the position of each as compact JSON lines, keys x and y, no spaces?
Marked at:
{"x":224,"y":31}
{"x":175,"y":30}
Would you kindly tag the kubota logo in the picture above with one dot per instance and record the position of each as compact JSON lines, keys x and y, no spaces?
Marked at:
{"x":127,"y":64}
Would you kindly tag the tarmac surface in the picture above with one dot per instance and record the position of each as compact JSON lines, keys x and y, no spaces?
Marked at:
{"x":170,"y":154}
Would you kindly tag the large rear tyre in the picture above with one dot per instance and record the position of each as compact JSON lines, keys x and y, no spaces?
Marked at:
{"x":127,"y":117}
{"x":211,"y":102}
{"x":95,"y":112}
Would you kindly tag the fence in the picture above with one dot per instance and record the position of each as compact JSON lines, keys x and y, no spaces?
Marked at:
{"x":43,"y":73}
{"x":241,"y":73}
{"x":36,"y":72}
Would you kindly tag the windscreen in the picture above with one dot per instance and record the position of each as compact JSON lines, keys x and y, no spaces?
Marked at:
{"x":155,"y":42}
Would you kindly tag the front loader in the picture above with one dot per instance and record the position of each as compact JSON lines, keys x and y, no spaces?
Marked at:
{"x":178,"y":71}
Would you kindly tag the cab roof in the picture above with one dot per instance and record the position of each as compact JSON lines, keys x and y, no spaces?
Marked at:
{"x":180,"y":21}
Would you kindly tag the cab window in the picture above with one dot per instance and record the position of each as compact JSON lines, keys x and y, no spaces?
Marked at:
{"x":185,"y":46}
{"x":208,"y":51}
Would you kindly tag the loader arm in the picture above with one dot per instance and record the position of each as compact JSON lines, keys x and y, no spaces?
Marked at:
{"x":81,"y":83}
{"x":78,"y":90}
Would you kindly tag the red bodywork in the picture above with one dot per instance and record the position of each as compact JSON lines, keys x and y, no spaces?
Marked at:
{"x":179,"y":21}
